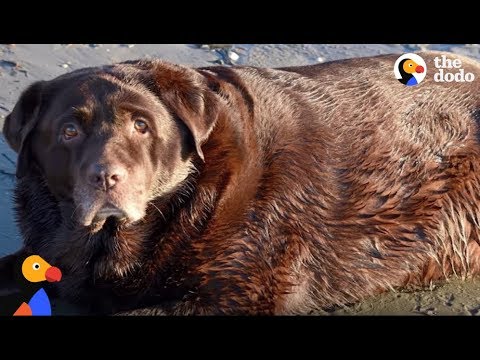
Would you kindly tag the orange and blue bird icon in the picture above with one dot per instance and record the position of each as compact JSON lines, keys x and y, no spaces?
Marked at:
{"x":408,"y":68}
{"x":36,"y":270}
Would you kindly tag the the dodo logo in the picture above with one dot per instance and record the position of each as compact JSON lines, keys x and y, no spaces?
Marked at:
{"x":410,"y":69}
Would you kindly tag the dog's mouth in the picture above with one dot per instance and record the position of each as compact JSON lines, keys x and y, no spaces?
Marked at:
{"x":93,"y":212}
{"x":109,"y":210}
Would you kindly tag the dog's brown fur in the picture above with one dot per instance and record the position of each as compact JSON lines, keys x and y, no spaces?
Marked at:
{"x":321,"y":185}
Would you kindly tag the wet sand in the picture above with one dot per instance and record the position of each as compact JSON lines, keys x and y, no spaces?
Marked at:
{"x":21,"y":65}
{"x":455,"y":297}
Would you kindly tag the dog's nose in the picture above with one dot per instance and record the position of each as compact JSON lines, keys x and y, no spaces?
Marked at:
{"x":105,"y":177}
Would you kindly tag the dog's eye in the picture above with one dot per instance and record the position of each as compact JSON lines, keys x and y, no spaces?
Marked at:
{"x":69,"y":132}
{"x":141,"y":126}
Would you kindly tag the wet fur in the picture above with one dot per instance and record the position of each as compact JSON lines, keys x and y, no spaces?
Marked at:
{"x":321,"y":185}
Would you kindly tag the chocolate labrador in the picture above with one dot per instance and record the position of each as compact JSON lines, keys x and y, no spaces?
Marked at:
{"x":163,"y":189}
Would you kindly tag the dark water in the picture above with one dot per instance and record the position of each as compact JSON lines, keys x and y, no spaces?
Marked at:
{"x":9,"y":238}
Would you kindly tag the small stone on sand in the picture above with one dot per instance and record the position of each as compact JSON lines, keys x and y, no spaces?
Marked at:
{"x":233,"y":55}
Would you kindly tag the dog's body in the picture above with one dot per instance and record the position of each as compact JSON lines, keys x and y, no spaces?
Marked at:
{"x":320,"y":185}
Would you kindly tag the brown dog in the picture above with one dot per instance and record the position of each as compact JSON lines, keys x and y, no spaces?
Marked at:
{"x":161,"y":189}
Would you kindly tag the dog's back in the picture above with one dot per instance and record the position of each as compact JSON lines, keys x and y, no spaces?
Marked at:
{"x":368,"y":184}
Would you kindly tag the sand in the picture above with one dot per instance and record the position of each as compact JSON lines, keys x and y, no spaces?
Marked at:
{"x":21,"y":65}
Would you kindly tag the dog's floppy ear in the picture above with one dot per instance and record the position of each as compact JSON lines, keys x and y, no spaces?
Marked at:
{"x":186,"y":94}
{"x":20,"y":122}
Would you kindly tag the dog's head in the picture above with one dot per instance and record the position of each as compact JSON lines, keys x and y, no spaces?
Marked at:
{"x":108,"y":140}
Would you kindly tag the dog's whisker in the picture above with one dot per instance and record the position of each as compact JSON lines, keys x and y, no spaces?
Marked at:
{"x":74,"y":210}
{"x":161,"y":213}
